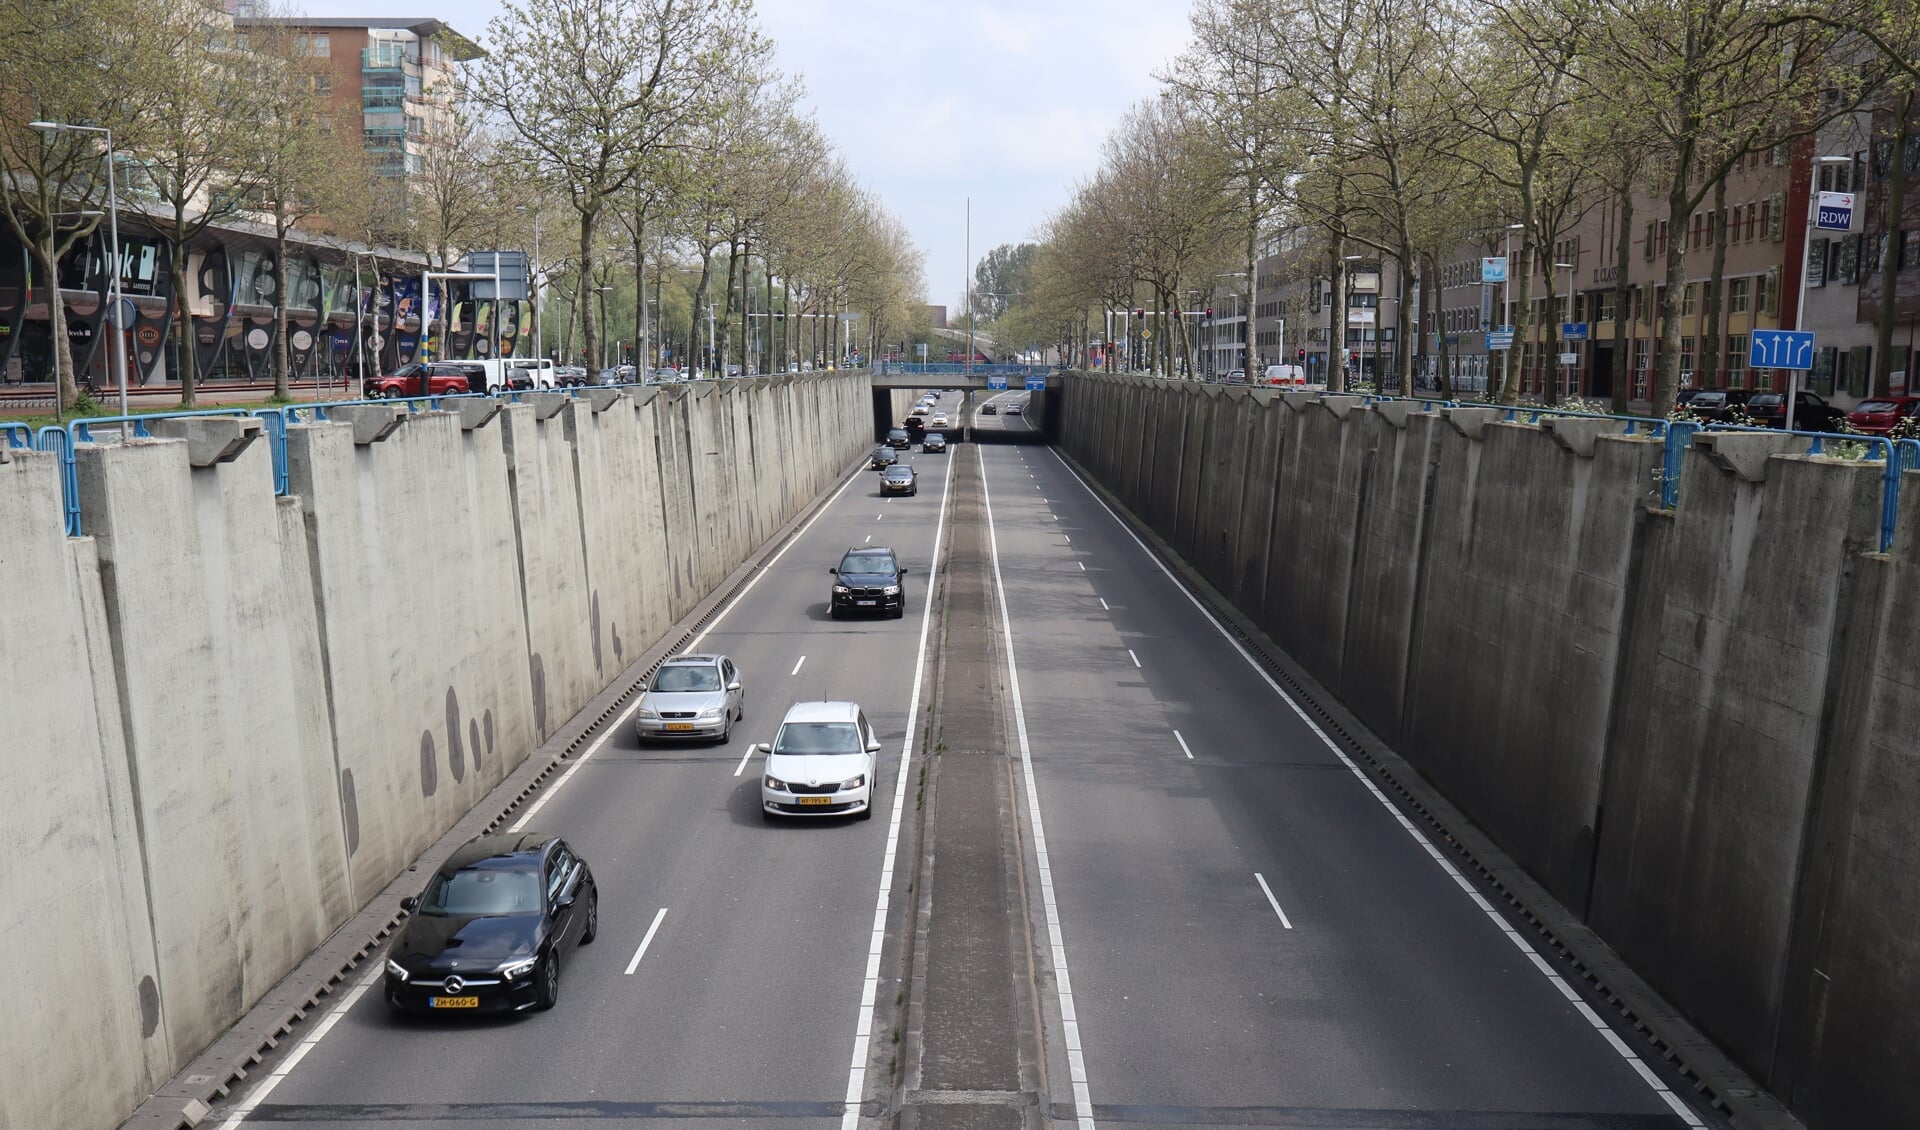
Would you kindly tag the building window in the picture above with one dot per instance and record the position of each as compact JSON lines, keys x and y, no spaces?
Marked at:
{"x":1690,"y":301}
{"x":1603,"y":306}
{"x":1736,"y":359}
{"x":1909,"y":250}
{"x":1737,"y":296}
{"x":1817,"y":262}
{"x":1686,"y":356}
{"x":316,"y":46}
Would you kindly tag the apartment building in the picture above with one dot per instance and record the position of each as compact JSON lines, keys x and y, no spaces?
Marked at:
{"x":1292,"y":294}
{"x":396,"y":74}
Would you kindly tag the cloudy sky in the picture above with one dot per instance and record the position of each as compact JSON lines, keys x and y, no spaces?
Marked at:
{"x":935,"y":101}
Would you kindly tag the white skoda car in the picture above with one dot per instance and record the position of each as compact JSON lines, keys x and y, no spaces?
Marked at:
{"x":821,"y":763}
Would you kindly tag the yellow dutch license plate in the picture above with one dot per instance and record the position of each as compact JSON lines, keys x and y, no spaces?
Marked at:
{"x":816,"y":800}
{"x":679,"y":725}
{"x":456,"y":1002}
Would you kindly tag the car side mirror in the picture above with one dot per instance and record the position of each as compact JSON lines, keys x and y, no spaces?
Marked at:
{"x":834,"y":569}
{"x":641,"y":686}
{"x":564,"y":902}
{"x":410,"y":904}
{"x":734,"y":686}
{"x":763,"y":747}
{"x":903,"y":570}
{"x":873,"y":747}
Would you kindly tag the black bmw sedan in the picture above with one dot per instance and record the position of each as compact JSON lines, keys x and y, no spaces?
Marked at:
{"x":494,"y":927}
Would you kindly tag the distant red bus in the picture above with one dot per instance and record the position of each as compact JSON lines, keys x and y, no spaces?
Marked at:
{"x":959,"y":357}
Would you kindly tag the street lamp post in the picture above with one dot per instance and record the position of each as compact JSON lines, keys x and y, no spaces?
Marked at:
{"x":1790,"y":409}
{"x":114,"y":311}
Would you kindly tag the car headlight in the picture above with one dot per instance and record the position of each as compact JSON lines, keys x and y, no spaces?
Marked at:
{"x":841,"y":590}
{"x":395,"y":969}
{"x":514,"y":970}
{"x":709,"y":715}
{"x":892,"y":590}
{"x":649,"y":712}
{"x":776,"y":784}
{"x":855,"y":782}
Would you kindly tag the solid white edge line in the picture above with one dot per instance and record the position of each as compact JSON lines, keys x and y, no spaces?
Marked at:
{"x":550,"y":791}
{"x":645,"y":942}
{"x":1183,"y":745}
{"x":869,"y":992}
{"x":1063,"y":982}
{"x":259,"y":1094}
{"x":1274,"y":902}
{"x":1660,"y":1088}
{"x":796,"y":667}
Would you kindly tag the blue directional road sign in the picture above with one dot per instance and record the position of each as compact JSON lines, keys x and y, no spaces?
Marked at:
{"x":1036,"y":384}
{"x":1573,"y":331}
{"x":1493,"y":270}
{"x":1780,"y":349}
{"x":997,"y":384}
{"x":1501,"y":338}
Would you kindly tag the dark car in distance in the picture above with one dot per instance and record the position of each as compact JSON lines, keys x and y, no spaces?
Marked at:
{"x":898,"y":439}
{"x":1811,"y":413}
{"x":934,"y":444}
{"x":989,"y":410}
{"x":883,"y":457}
{"x":1720,"y":405}
{"x":868,"y":579}
{"x":899,"y":479}
{"x":494,"y":928}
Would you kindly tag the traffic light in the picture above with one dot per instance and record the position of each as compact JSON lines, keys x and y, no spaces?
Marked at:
{"x":1302,"y":354}
{"x":1209,"y":313}
{"x":1139,"y":313}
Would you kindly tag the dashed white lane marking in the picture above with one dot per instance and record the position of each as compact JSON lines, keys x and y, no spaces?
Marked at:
{"x":1082,"y":564}
{"x":744,"y":758}
{"x":796,"y":667}
{"x":1103,"y":602}
{"x":870,"y":987}
{"x":1132,"y":656}
{"x":1063,"y":983}
{"x":1184,"y":748}
{"x":1559,"y":983}
{"x":869,"y":540}
{"x":299,"y":1053}
{"x":646,"y":941}
{"x":879,"y":517}
{"x":1065,"y":538}
{"x":1053,"y":516}
{"x":1273,"y":901}
{"x":693,"y":644}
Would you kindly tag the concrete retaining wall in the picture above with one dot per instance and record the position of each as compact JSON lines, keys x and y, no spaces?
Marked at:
{"x":1698,"y":728}
{"x":234,"y":718}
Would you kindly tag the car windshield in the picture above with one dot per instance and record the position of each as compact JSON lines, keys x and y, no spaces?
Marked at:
{"x":866,"y":563}
{"x":900,"y":473}
{"x":1876,"y":406}
{"x":1765,"y":400}
{"x":482,"y":891}
{"x":818,"y":737}
{"x":896,"y":432}
{"x":687,"y":678}
{"x":409,"y":370}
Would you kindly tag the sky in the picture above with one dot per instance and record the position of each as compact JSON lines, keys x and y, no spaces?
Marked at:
{"x":936,"y":101}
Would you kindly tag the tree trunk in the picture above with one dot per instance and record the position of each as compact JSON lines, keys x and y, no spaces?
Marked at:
{"x":589,"y":329}
{"x":1337,"y":315}
{"x":61,"y":354}
{"x":1405,"y":333}
{"x":724,"y":331}
{"x":766,"y":365}
{"x":1443,"y":378}
{"x":1522,"y":314}
{"x":189,"y":351}
{"x":1713,"y":325}
{"x":1890,"y":261}
{"x":697,"y":337}
{"x":1623,"y":319}
{"x":1548,"y":356}
{"x":1666,"y":373}
{"x":282,"y":361}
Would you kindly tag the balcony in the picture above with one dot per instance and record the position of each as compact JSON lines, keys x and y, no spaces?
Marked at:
{"x":388,"y":57}
{"x":378,"y":98}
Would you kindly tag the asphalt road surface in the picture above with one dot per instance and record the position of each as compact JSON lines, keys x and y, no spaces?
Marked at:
{"x":1253,"y":935}
{"x":1232,"y":926}
{"x":746,"y":1001}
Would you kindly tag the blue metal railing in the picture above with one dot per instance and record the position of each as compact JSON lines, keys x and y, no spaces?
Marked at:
{"x":60,"y":442}
{"x":16,"y":435}
{"x":960,"y":368}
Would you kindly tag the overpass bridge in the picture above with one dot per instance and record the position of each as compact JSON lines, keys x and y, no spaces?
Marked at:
{"x":978,"y":383}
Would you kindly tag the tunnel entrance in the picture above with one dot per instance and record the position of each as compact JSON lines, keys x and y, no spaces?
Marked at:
{"x":1037,"y":420}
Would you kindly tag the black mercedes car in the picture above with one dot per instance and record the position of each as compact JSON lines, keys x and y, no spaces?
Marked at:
{"x":882,"y":458}
{"x":494,"y":927}
{"x":868,"y":579}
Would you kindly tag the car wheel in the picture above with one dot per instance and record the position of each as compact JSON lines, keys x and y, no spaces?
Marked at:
{"x":900,"y":609}
{"x":726,"y":733}
{"x":592,"y":928}
{"x":547,"y":993}
{"x":765,"y":815}
{"x":867,"y":812}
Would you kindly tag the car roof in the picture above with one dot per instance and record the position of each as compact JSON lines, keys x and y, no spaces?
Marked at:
{"x":517,"y":849}
{"x":821,"y":712}
{"x":690,"y":660}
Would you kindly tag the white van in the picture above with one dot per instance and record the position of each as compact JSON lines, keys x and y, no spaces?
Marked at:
{"x":506,"y":374}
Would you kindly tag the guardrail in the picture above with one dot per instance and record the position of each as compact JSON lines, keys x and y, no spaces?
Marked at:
{"x":63,"y":440}
{"x":960,"y":368}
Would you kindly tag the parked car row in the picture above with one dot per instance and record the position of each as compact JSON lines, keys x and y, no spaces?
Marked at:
{"x":1760,"y":408}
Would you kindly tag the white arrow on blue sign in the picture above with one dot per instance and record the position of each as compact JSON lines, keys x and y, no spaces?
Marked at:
{"x":1036,"y":384}
{"x":997,"y":383}
{"x":1835,"y":212}
{"x":1499,"y":340}
{"x":1780,"y":349}
{"x":1573,"y":331}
